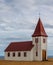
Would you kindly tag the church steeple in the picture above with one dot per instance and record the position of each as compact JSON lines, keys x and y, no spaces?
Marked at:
{"x":39,"y":31}
{"x":39,"y":39}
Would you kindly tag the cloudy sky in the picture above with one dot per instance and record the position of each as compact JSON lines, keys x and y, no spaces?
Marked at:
{"x":18,"y":19}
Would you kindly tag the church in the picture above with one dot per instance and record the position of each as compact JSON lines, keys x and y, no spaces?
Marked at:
{"x":35,"y":50}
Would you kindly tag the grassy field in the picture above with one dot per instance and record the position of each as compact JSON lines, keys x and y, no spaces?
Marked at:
{"x":49,"y":62}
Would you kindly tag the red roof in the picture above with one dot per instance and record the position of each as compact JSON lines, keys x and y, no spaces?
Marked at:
{"x":39,"y":31}
{"x":20,"y":46}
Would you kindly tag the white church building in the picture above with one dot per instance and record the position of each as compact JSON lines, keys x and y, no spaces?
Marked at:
{"x":35,"y":50}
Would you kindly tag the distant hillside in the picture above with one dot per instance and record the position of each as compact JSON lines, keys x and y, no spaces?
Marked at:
{"x":2,"y":57}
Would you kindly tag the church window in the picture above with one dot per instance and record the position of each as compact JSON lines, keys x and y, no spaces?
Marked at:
{"x":36,"y":53}
{"x":8,"y":54}
{"x":43,"y":40}
{"x":13,"y":54}
{"x":36,"y":40}
{"x":25,"y":54}
{"x":19,"y":54}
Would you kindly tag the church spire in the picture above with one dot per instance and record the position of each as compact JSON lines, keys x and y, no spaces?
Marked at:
{"x":39,"y":31}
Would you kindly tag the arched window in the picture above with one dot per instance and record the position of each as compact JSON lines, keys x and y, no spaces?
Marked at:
{"x":43,"y":40}
{"x":36,"y":40}
{"x":8,"y":54}
{"x":36,"y":53}
{"x":25,"y":54}
{"x":13,"y":54}
{"x":19,"y":54}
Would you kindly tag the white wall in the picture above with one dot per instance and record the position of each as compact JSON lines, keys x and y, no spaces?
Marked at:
{"x":41,"y":46}
{"x":37,"y":58}
{"x":29,"y":56}
{"x":44,"y":45}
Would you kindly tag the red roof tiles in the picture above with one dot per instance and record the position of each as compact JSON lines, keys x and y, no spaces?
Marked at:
{"x":20,"y":46}
{"x":39,"y":31}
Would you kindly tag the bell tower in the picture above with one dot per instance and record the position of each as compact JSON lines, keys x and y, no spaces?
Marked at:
{"x":39,"y":40}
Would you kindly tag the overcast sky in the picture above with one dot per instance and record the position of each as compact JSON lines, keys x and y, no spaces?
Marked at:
{"x":18,"y":19}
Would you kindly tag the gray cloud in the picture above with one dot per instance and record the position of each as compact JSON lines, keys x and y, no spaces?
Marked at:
{"x":19,"y":14}
{"x":49,"y":26}
{"x":44,"y":2}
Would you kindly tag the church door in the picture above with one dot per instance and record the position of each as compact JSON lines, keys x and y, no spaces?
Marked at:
{"x":43,"y":55}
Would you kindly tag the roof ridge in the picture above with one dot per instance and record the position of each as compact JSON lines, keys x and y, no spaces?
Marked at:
{"x":26,"y":46}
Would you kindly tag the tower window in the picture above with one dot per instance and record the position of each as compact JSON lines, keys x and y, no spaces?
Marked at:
{"x":8,"y":54}
{"x":24,"y":54}
{"x":36,"y":53}
{"x":43,"y":40}
{"x":36,"y":40}
{"x":13,"y":54}
{"x":19,"y":54}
